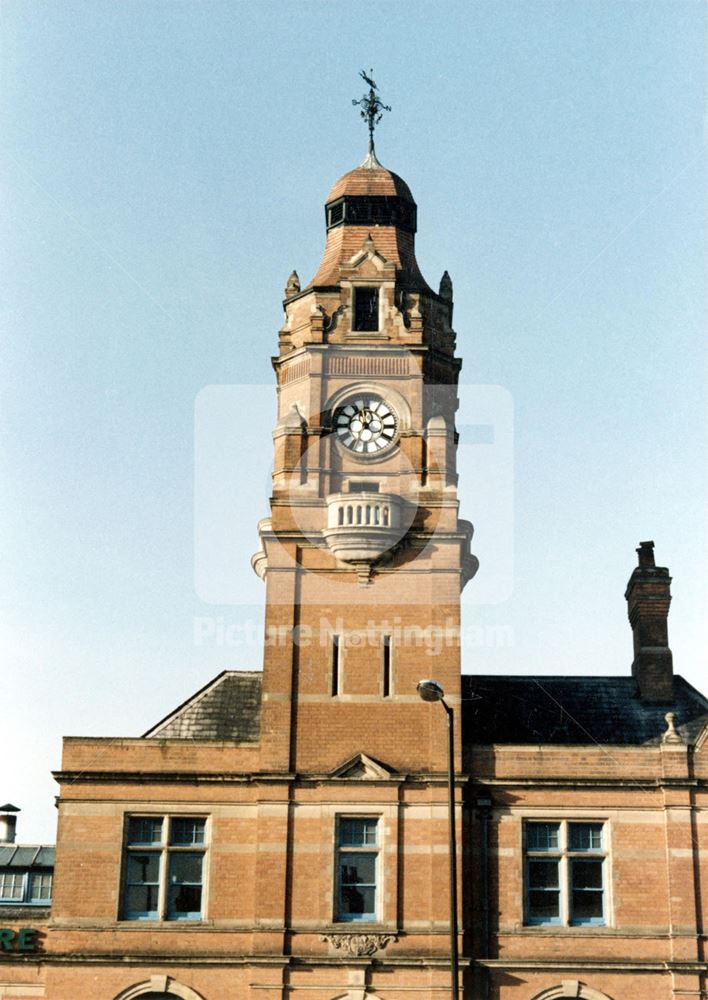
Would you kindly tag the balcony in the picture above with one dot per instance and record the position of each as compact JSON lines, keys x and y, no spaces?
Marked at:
{"x":361,"y":527}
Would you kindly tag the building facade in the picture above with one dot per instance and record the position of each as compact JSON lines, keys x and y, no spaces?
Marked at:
{"x":284,"y":833}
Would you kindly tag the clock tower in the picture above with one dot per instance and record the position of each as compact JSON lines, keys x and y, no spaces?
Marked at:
{"x":363,"y":555}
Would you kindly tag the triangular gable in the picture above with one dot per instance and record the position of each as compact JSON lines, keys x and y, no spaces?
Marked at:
{"x":363,"y":768}
{"x":701,"y":737}
{"x":368,"y":253}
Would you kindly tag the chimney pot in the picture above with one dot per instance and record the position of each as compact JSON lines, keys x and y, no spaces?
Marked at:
{"x":646,"y":554}
{"x":8,"y":823}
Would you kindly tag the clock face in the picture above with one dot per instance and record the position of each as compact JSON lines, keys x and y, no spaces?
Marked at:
{"x":366,"y":425}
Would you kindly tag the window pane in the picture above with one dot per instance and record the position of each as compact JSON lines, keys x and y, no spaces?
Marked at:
{"x":185,"y":902}
{"x":358,"y":901}
{"x":187,"y":831}
{"x":544,"y":905}
{"x":185,"y":889}
{"x":586,"y":906}
{"x":143,"y":867}
{"x":186,"y":868}
{"x":542,"y":836}
{"x":587,"y":874}
{"x":40,"y":887}
{"x":141,"y":900}
{"x":543,"y":874}
{"x":586,"y":892}
{"x":357,"y":832}
{"x":357,"y":868}
{"x":144,"y":830}
{"x":586,"y":836}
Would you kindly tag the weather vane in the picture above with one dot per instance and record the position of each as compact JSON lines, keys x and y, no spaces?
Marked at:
{"x":372,"y":107}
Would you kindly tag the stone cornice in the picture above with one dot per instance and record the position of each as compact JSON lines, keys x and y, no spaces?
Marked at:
{"x":572,"y":781}
{"x":209,"y":777}
{"x":590,"y":965}
{"x":279,"y":961}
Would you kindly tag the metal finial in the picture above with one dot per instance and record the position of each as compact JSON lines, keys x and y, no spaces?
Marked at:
{"x":372,"y":107}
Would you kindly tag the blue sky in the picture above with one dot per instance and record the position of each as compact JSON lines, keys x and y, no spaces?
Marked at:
{"x":164,"y":169}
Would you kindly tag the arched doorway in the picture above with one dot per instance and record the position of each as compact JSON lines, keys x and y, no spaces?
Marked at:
{"x":159,"y":988}
{"x":570,"y":989}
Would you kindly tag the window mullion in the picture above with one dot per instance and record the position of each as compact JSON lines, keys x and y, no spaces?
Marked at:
{"x":163,"y":886}
{"x":564,"y":875}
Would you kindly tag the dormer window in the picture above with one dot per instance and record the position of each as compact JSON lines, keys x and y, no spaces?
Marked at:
{"x":366,"y":309}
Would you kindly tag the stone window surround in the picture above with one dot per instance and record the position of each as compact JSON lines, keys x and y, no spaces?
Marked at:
{"x":376,"y":848}
{"x":165,"y":849}
{"x":565,"y":820}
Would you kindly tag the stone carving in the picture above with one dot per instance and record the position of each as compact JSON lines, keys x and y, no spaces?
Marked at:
{"x":358,"y":944}
{"x":332,"y":321}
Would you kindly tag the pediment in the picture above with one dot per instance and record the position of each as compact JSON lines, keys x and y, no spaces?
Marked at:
{"x":370,"y":267}
{"x":363,"y":768}
{"x":368,"y":261}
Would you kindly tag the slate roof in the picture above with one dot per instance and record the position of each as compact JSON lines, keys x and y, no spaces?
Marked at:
{"x":227,"y":708}
{"x":508,"y":709}
{"x":26,"y":856}
{"x":573,"y":710}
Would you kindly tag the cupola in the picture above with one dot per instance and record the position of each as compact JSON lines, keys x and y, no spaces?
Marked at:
{"x":371,"y":202}
{"x":371,"y":195}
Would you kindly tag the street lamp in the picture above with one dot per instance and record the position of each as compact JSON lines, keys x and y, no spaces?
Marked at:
{"x":430,"y":690}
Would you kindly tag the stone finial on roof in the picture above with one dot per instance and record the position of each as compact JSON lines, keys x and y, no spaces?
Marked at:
{"x":671,"y":735}
{"x":293,"y":285}
{"x":446,"y":287}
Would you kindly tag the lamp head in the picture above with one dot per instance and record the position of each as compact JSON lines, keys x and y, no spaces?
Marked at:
{"x":430,"y":690}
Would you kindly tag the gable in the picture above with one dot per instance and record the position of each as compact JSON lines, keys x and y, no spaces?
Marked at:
{"x":228,"y":708}
{"x":363,"y":768}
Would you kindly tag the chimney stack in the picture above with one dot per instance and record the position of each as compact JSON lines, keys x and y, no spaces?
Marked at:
{"x":648,"y":597}
{"x":8,"y":823}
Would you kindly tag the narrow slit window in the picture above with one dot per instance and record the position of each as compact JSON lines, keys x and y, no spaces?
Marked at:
{"x":335,"y":666}
{"x":386,"y":667}
{"x":366,"y":309}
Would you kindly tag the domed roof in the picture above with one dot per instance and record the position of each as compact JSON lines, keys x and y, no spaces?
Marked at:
{"x":370,"y":179}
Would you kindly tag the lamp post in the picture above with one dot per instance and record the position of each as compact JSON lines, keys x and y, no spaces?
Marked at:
{"x":430,"y":690}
